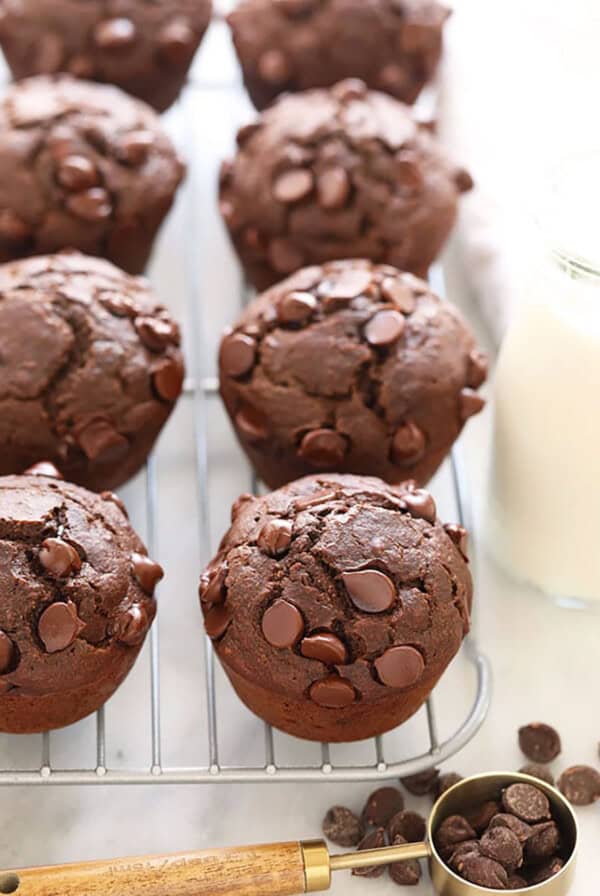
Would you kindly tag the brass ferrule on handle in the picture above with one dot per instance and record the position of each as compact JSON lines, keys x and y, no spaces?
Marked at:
{"x":318,"y":864}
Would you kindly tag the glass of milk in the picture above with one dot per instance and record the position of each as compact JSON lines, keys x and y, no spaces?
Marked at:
{"x":544,"y":495}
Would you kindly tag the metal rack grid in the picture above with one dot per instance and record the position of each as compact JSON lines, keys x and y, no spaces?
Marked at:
{"x":200,"y":390}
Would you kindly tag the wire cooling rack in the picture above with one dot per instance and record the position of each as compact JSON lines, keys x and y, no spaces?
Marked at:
{"x":147,"y":765}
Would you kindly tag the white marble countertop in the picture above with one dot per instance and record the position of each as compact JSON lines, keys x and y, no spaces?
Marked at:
{"x":544,"y":658}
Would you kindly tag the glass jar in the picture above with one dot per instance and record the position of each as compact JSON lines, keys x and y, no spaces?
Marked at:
{"x":544,"y":494}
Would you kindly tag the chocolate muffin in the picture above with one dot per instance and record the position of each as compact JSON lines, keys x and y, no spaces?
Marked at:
{"x":336,"y":603}
{"x":83,"y":166}
{"x":77,"y":600}
{"x":338,"y":173}
{"x":352,"y":367}
{"x":143,"y":46}
{"x":393,"y":45}
{"x":91,"y":368}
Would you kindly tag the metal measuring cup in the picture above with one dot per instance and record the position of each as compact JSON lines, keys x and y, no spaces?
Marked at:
{"x":285,"y":869}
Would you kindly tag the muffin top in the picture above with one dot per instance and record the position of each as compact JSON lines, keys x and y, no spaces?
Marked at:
{"x":89,"y":359}
{"x":353,"y":367}
{"x":82,"y":164}
{"x":342,"y":172}
{"x":394,"y":45}
{"x":77,"y":586}
{"x":339,"y":588}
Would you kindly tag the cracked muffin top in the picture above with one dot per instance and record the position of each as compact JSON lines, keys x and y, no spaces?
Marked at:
{"x":77,"y":586}
{"x":339,"y":589}
{"x":352,"y":367}
{"x":91,"y":368}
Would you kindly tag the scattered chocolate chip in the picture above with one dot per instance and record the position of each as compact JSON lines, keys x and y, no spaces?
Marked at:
{"x":167,"y":378}
{"x":146,"y":571}
{"x":477,"y":369}
{"x":580,"y":784}
{"x":408,"y":444}
{"x":422,"y":783}
{"x":480,"y":816}
{"x":407,"y":824}
{"x":342,"y":826}
{"x":114,"y":499}
{"x":293,"y":185}
{"x":59,"y":558}
{"x":323,"y":448}
{"x":217,"y":621}
{"x":77,"y":173}
{"x":463,"y":180}
{"x":384,"y":328}
{"x":500,"y":844}
{"x":445,"y":782}
{"x":350,"y":284}
{"x":251,"y":423}
{"x":484,"y":872}
{"x":539,"y":742}
{"x":520,"y":828}
{"x":469,"y":404}
{"x":420,"y":504}
{"x":333,"y":188}
{"x":131,"y":626}
{"x":7,"y":653}
{"x":275,"y":537}
{"x":399,"y":667}
{"x":296,"y":307}
{"x":546,"y":871}
{"x":176,"y":42}
{"x":453,"y":830}
{"x":382,"y":805}
{"x":44,"y":468}
{"x":370,"y":590}
{"x":516,"y":882}
{"x":114,"y":34}
{"x":156,"y":334}
{"x":332,"y":692}
{"x":460,"y":537}
{"x":237,"y":354}
{"x":399,"y":293}
{"x":212,"y":586}
{"x":406,"y":873}
{"x":324,"y":647}
{"x":133,"y":148}
{"x":543,"y":843}
{"x":535,"y":770}
{"x":91,"y":205}
{"x":526,"y":802}
{"x":282,"y":624}
{"x":374,"y":840}
{"x":59,"y":625}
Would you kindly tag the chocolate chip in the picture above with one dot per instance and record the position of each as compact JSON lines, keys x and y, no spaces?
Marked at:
{"x":500,"y":844}
{"x":520,"y":828}
{"x":399,"y":667}
{"x":382,"y":805}
{"x":526,"y":802}
{"x":342,"y":826}
{"x":133,"y":148}
{"x":251,"y":423}
{"x":292,"y":186}
{"x":273,"y":66}
{"x":539,"y":742}
{"x":516,"y":882}
{"x":484,"y":872}
{"x":275,"y":537}
{"x":480,"y":816}
{"x":59,"y":625}
{"x":44,"y":468}
{"x":407,"y":824}
{"x":406,"y":873}
{"x":408,"y":444}
{"x":91,"y":205}
{"x":384,"y":328}
{"x":217,"y":621}
{"x":323,"y":448}
{"x":284,"y":256}
{"x":13,"y":229}
{"x":59,"y":558}
{"x":349,"y":89}
{"x":7,"y":653}
{"x":349,"y":284}
{"x":332,"y":692}
{"x":477,"y":369}
{"x":156,"y":333}
{"x":324,"y":647}
{"x":333,"y":188}
{"x":374,"y":840}
{"x":114,"y":499}
{"x":101,"y":442}
{"x":176,"y":42}
{"x":212,"y":585}
{"x":237,"y":354}
{"x":460,"y":537}
{"x":422,"y":783}
{"x":463,"y":180}
{"x":469,"y":403}
{"x":445,"y":782}
{"x":370,"y":590}
{"x":117,"y":304}
{"x":420,"y":505}
{"x":245,"y":133}
{"x":580,"y":784}
{"x":146,"y":571}
{"x":409,"y":174}
{"x":543,"y":843}
{"x":114,"y":34}
{"x":460,"y":852}
{"x":131,"y":626}
{"x":394,"y":290}
{"x":535,"y":770}
{"x":77,"y":173}
{"x":282,"y":624}
{"x":453,"y":830}
{"x":546,"y":871}
{"x":167,"y":378}
{"x":296,"y":307}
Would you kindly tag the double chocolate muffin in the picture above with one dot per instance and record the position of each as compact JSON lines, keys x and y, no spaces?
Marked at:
{"x":83,"y":166}
{"x":289,"y":45}
{"x":336,"y":603}
{"x":90,"y":368}
{"x":338,"y":173}
{"x":143,"y":46}
{"x":77,"y":600}
{"x":352,"y":367}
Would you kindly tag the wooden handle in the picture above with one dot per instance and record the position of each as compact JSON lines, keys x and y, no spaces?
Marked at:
{"x":270,"y":870}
